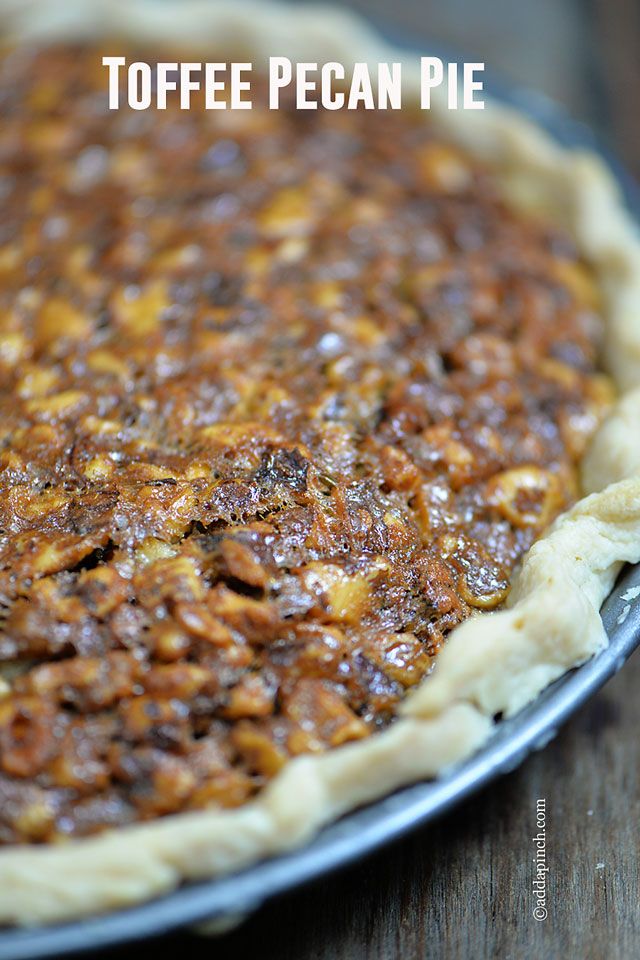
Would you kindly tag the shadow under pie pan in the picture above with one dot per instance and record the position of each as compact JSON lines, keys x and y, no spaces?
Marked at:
{"x":221,"y":902}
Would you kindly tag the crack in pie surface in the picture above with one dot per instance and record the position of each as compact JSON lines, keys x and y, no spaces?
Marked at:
{"x":321,"y":390}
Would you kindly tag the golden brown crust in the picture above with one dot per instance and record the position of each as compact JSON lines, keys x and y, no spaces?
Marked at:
{"x":553,"y":623}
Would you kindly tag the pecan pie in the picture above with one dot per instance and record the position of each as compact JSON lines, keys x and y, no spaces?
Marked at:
{"x":285,"y":398}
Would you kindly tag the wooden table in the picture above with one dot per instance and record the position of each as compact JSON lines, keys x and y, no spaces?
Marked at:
{"x":463,"y":886}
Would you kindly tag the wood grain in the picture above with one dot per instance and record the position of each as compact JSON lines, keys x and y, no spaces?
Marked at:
{"x":616,"y":26}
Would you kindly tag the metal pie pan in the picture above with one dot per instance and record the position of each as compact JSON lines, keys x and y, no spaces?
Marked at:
{"x":363,"y":831}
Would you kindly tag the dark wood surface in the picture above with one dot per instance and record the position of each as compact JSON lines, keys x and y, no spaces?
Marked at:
{"x":462,"y":888}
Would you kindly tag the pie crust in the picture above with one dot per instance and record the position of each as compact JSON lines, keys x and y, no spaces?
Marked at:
{"x":493,"y":663}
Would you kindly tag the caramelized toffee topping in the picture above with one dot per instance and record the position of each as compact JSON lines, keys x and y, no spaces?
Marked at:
{"x":284,"y":398}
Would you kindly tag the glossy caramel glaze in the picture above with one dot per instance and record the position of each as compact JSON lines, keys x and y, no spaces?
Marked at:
{"x":284,"y":397}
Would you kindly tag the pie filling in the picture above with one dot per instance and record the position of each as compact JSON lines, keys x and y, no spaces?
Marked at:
{"x":284,"y":397}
